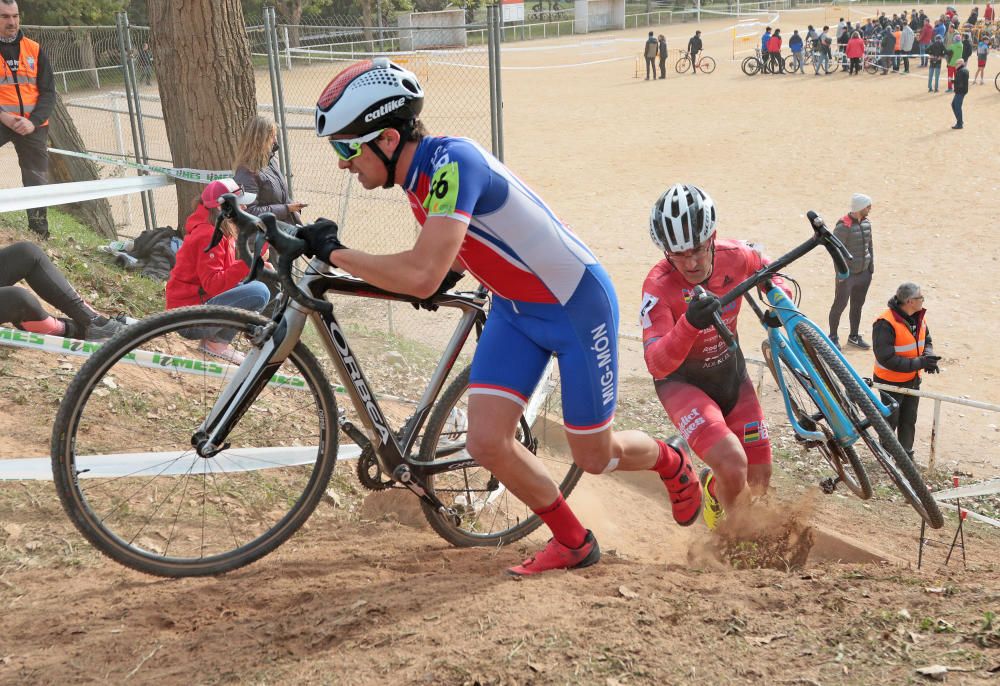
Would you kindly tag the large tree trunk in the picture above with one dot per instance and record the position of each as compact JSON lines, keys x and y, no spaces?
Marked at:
{"x":62,"y":169}
{"x":206,"y":83}
{"x":290,"y":13}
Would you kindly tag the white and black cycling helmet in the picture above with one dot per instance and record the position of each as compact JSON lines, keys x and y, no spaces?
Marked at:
{"x":682,"y":218}
{"x":368,"y":96}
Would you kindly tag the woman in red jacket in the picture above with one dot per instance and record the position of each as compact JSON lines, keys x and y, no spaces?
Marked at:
{"x":774,"y":53}
{"x":855,"y":51}
{"x":213,"y":277}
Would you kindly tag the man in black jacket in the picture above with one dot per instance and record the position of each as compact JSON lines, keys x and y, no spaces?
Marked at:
{"x":961,"y":88}
{"x":27,"y":98}
{"x":854,"y":231}
{"x":902,"y":347}
{"x":694,"y":47}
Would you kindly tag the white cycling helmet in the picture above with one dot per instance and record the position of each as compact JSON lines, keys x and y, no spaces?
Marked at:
{"x":368,"y":96}
{"x":682,"y":218}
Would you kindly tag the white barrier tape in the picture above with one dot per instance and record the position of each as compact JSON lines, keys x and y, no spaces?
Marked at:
{"x":974,"y":515}
{"x":144,"y":464}
{"x":546,"y":67}
{"x":13,"y":199}
{"x":140,"y":358}
{"x":182,"y":173}
{"x":990,"y":487}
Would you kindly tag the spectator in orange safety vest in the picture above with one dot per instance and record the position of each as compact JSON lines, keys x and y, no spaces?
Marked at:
{"x":27,"y":98}
{"x":902,"y":347}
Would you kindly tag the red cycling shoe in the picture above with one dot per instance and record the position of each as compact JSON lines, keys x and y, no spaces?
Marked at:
{"x":557,"y":556}
{"x":683,"y":487}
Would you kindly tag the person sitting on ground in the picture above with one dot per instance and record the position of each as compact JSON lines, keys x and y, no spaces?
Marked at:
{"x":257,"y":172}
{"x":212,"y":276}
{"x":25,"y":261}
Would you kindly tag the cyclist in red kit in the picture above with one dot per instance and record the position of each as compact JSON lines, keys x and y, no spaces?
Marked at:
{"x":702,"y":384}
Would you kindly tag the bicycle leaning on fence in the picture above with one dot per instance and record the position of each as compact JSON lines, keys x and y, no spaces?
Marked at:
{"x":829,"y":406}
{"x":176,"y":464}
{"x":705,"y":64}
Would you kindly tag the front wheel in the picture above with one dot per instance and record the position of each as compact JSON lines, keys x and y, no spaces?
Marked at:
{"x":683,"y":65}
{"x":790,"y":65}
{"x":874,"y":430}
{"x":996,"y":80}
{"x":750,"y":66}
{"x":833,"y":64}
{"x":871,"y":66}
{"x":123,"y":458}
{"x":844,"y":460}
{"x":706,"y":65}
{"x":489,"y":514}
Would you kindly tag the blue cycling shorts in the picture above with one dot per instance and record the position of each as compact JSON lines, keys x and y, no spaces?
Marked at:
{"x":519,"y":338}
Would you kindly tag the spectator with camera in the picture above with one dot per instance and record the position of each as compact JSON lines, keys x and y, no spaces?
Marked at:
{"x":903,"y":349}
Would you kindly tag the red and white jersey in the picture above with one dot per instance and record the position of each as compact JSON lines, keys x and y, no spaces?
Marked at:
{"x":514,"y":244}
{"x":673,"y":348}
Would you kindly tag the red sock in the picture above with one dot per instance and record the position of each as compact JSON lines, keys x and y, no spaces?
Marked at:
{"x":49,"y":325}
{"x":668,"y":463}
{"x":566,"y":528}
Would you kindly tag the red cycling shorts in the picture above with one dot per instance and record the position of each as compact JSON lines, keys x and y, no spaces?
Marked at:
{"x":702,"y":424}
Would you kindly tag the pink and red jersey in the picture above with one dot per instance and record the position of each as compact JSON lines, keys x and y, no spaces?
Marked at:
{"x":676,"y":350}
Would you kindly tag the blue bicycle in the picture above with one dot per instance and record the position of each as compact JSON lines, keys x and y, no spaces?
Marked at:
{"x":828,"y":404}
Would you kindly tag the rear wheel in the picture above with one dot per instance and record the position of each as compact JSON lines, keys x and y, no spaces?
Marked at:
{"x":489,"y":514}
{"x":683,"y":65}
{"x":706,"y":65}
{"x":750,"y":66}
{"x":843,"y":459}
{"x":126,"y":471}
{"x":996,"y":80}
{"x":871,"y":66}
{"x":870,"y":425}
{"x":790,"y":65}
{"x":833,"y":64}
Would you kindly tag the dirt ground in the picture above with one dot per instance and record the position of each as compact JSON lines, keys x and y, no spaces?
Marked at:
{"x":367,"y":594}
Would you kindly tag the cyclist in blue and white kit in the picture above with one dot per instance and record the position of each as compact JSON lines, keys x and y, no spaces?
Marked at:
{"x":551,"y":296}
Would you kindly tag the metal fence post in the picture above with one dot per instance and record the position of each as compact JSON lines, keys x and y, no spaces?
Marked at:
{"x":935,"y":428}
{"x":496,"y":93}
{"x":134,"y":111}
{"x":277,"y":95}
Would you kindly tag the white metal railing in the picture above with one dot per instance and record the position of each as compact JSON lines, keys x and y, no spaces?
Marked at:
{"x":96,"y":71}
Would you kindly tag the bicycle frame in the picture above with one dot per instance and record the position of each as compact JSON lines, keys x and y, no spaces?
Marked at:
{"x":789,"y":348}
{"x":280,"y":337}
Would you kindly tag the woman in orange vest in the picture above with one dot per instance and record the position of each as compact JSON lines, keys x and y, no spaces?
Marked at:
{"x":27,"y":97}
{"x":902,"y":347}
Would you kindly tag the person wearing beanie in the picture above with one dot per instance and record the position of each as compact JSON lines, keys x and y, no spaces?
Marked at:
{"x":903,"y":348}
{"x":854,"y":231}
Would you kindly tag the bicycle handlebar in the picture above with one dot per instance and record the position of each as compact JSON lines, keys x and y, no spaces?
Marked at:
{"x":821,"y":235}
{"x":288,"y":247}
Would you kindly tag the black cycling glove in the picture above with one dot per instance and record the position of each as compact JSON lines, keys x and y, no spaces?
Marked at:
{"x":930,"y":363}
{"x":447,"y":283}
{"x":321,"y":238}
{"x":700,"y":310}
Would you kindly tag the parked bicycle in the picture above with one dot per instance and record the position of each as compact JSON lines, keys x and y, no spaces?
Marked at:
{"x":177,"y":464}
{"x":755,"y":64}
{"x":704,"y":64}
{"x":829,"y":406}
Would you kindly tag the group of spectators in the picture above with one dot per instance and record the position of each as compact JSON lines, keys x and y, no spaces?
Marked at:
{"x":892,"y":41}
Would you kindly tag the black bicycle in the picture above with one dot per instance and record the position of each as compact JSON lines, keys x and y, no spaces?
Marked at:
{"x":176,"y":463}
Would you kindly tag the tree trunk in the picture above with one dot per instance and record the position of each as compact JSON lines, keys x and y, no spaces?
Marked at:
{"x":290,"y":13}
{"x":207,"y":88}
{"x":62,"y":169}
{"x":368,"y":20}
